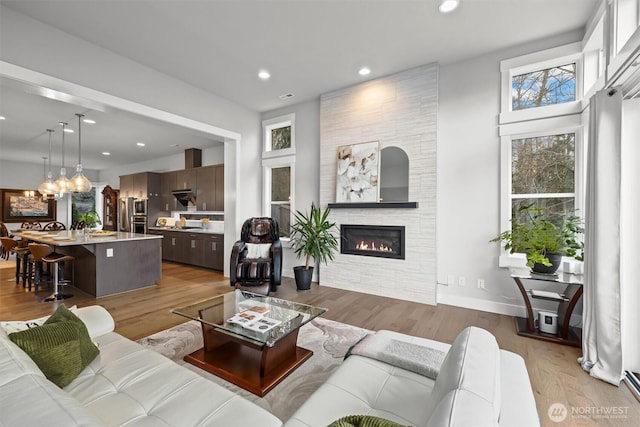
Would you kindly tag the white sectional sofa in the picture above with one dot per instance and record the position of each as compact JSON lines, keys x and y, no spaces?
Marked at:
{"x":477,"y":385}
{"x":125,"y":385}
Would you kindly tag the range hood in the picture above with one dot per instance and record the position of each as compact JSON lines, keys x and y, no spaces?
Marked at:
{"x":185,"y":197}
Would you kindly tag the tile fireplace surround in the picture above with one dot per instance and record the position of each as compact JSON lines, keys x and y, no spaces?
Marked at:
{"x":398,"y":110}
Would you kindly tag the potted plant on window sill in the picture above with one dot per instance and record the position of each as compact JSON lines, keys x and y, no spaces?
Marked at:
{"x":312,"y":237}
{"x":543,"y":241}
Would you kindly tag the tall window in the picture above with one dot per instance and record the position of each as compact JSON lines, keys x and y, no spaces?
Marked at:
{"x":278,"y":163}
{"x":543,"y":173}
{"x":541,"y":134}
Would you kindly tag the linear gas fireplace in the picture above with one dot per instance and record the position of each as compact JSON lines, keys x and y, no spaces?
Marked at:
{"x":386,"y":241}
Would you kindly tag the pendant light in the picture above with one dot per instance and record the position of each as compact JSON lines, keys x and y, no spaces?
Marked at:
{"x":48,"y":188}
{"x":79,"y":182}
{"x":64,"y":184}
{"x":44,"y":176}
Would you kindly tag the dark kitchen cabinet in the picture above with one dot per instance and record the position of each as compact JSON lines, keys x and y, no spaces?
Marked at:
{"x":206,"y":188}
{"x":219,"y":197}
{"x":213,"y":253}
{"x":168,"y":183}
{"x":199,"y":249}
{"x":126,"y":186}
{"x":186,"y":179}
{"x":143,"y":185}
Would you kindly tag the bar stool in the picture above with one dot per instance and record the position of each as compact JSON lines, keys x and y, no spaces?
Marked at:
{"x":35,"y":264}
{"x":22,"y":253}
{"x":56,"y":259}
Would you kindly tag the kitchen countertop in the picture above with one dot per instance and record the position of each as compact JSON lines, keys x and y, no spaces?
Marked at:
{"x":77,"y":237}
{"x":186,"y":230}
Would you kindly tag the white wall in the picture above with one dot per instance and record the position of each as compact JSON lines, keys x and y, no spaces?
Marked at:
{"x":469,"y":181}
{"x":307,"y":141}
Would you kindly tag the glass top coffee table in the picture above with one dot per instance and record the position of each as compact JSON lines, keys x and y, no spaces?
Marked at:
{"x":255,"y":350}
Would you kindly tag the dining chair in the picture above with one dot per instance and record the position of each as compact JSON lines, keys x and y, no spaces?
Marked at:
{"x":54,"y":226}
{"x":10,"y":246}
{"x":31,"y":225}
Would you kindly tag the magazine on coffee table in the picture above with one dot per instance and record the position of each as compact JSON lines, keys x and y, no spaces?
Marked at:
{"x":254,"y":318}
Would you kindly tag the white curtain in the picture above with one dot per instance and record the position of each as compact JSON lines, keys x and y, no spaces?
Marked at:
{"x":601,"y":340}
{"x":630,"y":235}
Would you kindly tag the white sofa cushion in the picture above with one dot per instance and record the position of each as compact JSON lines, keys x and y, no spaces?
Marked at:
{"x":128,"y":384}
{"x":467,"y":390}
{"x":125,"y":384}
{"x":29,"y":399}
{"x":363,"y":386}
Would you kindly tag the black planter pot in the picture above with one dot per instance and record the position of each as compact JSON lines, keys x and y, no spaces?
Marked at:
{"x":303,"y":277}
{"x":554,"y":258}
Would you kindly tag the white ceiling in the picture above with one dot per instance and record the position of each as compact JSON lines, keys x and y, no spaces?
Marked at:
{"x":310,"y":47}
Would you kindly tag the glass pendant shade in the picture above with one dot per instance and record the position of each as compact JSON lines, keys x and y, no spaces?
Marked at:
{"x":63,"y":183}
{"x":49,"y":188}
{"x":79,"y":182}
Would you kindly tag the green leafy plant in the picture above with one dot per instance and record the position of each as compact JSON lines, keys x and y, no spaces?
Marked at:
{"x":91,"y":219}
{"x":533,"y":233}
{"x":312,"y":235}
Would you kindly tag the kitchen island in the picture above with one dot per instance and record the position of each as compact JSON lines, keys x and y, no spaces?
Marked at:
{"x":106,"y":263}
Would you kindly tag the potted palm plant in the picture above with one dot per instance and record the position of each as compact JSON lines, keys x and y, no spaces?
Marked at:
{"x":312,"y":237}
{"x":544,"y":241}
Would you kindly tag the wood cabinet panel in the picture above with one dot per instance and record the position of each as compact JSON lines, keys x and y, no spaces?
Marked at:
{"x":186,"y":179}
{"x":206,"y":190}
{"x":168,"y":183}
{"x":126,"y":186}
{"x":219,"y":196}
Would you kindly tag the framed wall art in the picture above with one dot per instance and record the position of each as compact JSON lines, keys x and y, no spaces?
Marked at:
{"x":358,"y":172}
{"x":17,"y":207}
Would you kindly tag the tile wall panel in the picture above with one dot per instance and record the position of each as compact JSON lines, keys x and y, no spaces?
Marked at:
{"x":397,"y":110}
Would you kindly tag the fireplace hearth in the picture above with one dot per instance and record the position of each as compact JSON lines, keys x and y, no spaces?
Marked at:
{"x":385,"y":241}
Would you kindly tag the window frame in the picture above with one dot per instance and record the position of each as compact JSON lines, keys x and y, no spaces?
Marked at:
{"x":538,"y":61}
{"x":540,"y":121}
{"x":275,"y":123}
{"x":273,"y":159}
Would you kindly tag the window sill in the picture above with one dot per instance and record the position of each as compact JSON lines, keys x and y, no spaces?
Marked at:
{"x":518,"y":262}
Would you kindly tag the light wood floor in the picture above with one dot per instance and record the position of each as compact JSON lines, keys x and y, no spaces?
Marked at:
{"x":555,"y":375}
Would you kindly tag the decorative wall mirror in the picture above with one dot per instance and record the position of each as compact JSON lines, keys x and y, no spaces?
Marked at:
{"x":394,"y":175}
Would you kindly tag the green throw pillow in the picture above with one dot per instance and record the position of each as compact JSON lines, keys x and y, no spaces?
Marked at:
{"x":88,"y":350}
{"x":61,"y":348}
{"x":363,"y":421}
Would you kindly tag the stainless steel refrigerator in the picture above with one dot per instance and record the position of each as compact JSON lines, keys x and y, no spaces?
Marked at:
{"x":126,"y":214}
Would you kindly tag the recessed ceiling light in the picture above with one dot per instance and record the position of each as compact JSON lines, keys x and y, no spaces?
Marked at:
{"x":264,"y":75}
{"x":106,"y":153}
{"x":447,"y":6}
{"x":364,"y":71}
{"x":3,"y":118}
{"x":67,"y":130}
{"x":90,"y":121}
{"x":140,"y":144}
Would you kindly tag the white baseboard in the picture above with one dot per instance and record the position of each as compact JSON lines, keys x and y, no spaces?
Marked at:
{"x":482,"y":305}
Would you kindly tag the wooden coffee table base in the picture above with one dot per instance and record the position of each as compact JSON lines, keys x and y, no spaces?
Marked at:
{"x":255,"y":368}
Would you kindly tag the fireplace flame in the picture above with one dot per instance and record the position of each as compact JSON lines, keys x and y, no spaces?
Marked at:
{"x":373,"y":246}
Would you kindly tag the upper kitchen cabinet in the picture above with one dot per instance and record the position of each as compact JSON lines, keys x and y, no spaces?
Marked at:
{"x":168,"y":183}
{"x":126,"y":186}
{"x":210,"y":188}
{"x":206,"y":189}
{"x":186,"y":179}
{"x":219,"y":206}
{"x":143,"y":185}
